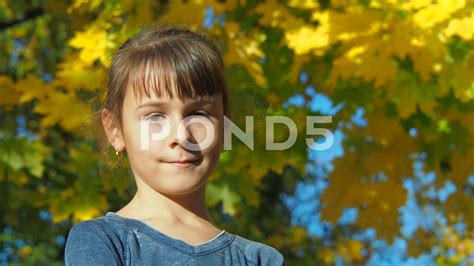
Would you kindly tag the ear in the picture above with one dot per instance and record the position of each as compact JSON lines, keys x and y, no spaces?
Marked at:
{"x":112,"y":130}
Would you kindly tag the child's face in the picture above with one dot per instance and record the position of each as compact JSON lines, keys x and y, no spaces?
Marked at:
{"x":158,"y":165}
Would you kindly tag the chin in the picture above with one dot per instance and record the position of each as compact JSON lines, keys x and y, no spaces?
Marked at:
{"x":179,"y":191}
{"x":179,"y":184}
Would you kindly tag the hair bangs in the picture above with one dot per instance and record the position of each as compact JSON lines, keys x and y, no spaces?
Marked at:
{"x":173,"y":70}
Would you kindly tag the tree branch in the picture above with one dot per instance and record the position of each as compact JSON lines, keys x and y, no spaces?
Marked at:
{"x":29,"y":15}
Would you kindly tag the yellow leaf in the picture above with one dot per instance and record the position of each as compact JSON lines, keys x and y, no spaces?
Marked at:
{"x":179,"y":13}
{"x":378,"y":69}
{"x":299,"y":234}
{"x":75,"y":74}
{"x":351,"y":180}
{"x":83,"y":214}
{"x":82,"y":205}
{"x":360,"y":62}
{"x":277,"y":15}
{"x":139,"y":12}
{"x":229,"y":197}
{"x":416,"y":4}
{"x":463,"y":27}
{"x":25,"y":251}
{"x":307,"y":38}
{"x":33,"y":88}
{"x":57,"y":109}
{"x":354,"y":249}
{"x":461,"y":166}
{"x":467,"y":247}
{"x":461,"y":205}
{"x":245,"y":50}
{"x":351,"y":250}
{"x":9,"y":94}
{"x":400,"y":39}
{"x":83,"y":6}
{"x":355,"y":22}
{"x":344,"y":68}
{"x":304,"y":4}
{"x":459,"y":77}
{"x":424,"y":61}
{"x":327,"y":255}
{"x":408,"y":92}
{"x":93,"y":44}
{"x":436,"y":13}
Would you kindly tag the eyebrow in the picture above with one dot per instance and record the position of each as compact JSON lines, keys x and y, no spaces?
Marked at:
{"x":164,"y":103}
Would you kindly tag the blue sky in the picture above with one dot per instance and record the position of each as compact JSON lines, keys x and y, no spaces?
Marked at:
{"x":305,"y":205}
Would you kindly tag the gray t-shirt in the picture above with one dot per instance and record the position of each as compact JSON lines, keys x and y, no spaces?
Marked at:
{"x":116,"y":240}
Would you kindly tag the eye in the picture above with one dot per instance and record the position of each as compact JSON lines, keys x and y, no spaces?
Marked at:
{"x":154,"y":117}
{"x":199,"y":113}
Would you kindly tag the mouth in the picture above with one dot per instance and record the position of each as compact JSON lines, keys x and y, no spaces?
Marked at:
{"x":184,"y":163}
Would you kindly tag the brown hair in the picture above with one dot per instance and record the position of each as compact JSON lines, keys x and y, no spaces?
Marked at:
{"x":165,"y":60}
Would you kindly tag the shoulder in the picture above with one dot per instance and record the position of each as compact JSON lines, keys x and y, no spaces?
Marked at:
{"x":100,"y":239}
{"x":259,"y":253}
{"x":103,"y":225}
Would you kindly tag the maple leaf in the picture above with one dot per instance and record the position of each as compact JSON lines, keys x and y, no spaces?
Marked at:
{"x":433,"y":14}
{"x":75,"y":74}
{"x":228,"y":197}
{"x":56,"y":111}
{"x":461,"y":27}
{"x":23,"y":153}
{"x":93,"y":43}
{"x":409,"y":93}
{"x":306,"y":39}
{"x":33,"y":88}
{"x":245,"y":51}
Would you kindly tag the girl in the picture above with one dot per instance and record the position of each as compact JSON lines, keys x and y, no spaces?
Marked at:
{"x":167,"y":95}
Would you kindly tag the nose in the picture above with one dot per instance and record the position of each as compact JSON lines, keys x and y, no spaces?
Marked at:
{"x":179,"y":135}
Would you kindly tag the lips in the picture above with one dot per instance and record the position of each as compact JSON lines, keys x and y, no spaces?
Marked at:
{"x":183,"y":163}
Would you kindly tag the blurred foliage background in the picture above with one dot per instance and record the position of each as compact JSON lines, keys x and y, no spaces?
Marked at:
{"x":396,"y":188}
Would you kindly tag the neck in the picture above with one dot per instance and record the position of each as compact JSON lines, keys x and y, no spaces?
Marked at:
{"x":188,"y":209}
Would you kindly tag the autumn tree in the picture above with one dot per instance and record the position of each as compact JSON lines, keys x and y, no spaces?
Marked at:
{"x":407,"y":64}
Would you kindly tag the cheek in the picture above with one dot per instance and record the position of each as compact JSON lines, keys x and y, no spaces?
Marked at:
{"x":132,"y":135}
{"x":203,"y":131}
{"x":199,"y":132}
{"x":144,"y":136}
